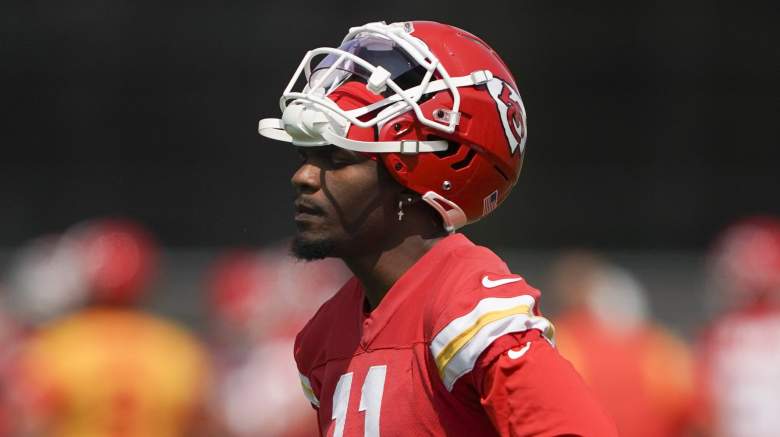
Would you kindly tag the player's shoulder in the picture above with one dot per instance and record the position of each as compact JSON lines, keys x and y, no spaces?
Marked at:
{"x":311,"y":341}
{"x":468,"y":253}
{"x":471,"y":273}
{"x":479,"y":300}
{"x":470,"y":258}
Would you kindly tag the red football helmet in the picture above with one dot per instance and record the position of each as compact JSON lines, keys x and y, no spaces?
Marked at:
{"x":746,"y":257}
{"x":236,"y":285}
{"x":435,"y":103}
{"x":119,"y":258}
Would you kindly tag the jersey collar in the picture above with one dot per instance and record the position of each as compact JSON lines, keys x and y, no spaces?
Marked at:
{"x":406,"y":287}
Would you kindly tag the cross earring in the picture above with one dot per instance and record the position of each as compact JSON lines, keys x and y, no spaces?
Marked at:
{"x":400,"y":210}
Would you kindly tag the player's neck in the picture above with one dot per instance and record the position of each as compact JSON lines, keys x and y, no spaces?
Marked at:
{"x":379,"y":271}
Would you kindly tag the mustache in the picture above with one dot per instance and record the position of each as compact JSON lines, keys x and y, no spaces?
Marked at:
{"x":308,"y":207}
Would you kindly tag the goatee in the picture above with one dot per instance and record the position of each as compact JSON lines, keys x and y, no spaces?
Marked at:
{"x":310,"y":250}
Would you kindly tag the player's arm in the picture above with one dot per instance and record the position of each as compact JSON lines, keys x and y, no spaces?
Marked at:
{"x":491,"y":345}
{"x":527,"y":388}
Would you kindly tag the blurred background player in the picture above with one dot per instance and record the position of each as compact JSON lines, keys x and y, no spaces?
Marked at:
{"x":258,"y":301}
{"x":640,"y":372}
{"x":44,"y":282}
{"x":106,"y":368}
{"x":740,"y":350}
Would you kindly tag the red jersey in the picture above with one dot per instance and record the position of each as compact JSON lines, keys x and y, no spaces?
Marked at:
{"x":739,"y":372}
{"x":456,"y":347}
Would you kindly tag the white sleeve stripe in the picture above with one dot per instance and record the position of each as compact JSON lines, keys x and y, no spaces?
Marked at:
{"x":457,"y":347}
{"x":463,"y":323}
{"x":308,"y":391}
{"x":465,"y":359}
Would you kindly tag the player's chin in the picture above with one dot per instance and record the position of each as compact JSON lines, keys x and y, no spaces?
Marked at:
{"x":310,"y":245}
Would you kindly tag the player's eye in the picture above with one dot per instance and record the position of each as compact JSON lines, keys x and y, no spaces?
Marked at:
{"x":341,"y":157}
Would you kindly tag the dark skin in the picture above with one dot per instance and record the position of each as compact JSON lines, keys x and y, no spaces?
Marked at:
{"x":348,"y":204}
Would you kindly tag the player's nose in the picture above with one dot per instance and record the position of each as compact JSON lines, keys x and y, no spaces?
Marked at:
{"x":307,"y":178}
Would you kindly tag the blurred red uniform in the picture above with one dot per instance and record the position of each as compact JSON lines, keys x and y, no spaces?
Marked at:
{"x":108,"y":369}
{"x":740,"y":350}
{"x":112,"y":372}
{"x":740,"y":369}
{"x":640,"y":372}
{"x":456,"y":344}
{"x":643,"y":379}
{"x":258,"y":302}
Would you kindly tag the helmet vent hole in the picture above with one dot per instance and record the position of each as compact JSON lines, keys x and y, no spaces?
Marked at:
{"x":501,"y":173}
{"x":465,"y":161}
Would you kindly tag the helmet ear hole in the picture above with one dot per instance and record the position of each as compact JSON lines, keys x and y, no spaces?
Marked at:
{"x":452,"y":149}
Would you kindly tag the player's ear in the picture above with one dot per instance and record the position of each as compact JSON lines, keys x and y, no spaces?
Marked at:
{"x":408,"y":197}
{"x":420,"y":215}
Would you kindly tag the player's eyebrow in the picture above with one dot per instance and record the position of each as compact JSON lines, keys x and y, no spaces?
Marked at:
{"x":343,"y":153}
{"x":329,"y":152}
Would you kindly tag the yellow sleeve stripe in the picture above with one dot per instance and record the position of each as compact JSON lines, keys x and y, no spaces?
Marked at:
{"x":452,"y":348}
{"x":458,"y":345}
{"x":308,"y":391}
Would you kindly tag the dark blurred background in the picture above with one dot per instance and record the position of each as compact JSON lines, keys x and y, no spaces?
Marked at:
{"x":652,"y":124}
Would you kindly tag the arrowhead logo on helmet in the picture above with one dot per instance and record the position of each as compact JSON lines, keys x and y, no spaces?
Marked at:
{"x":512,"y":113}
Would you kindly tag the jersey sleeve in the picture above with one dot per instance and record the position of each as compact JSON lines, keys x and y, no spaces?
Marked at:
{"x":308,"y":391}
{"x":491,"y":345}
{"x":471,"y":321}
{"x":301,"y":361}
{"x":527,"y":388}
{"x":307,"y":351}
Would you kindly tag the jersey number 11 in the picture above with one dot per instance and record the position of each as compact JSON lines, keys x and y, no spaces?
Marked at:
{"x":370,"y":400}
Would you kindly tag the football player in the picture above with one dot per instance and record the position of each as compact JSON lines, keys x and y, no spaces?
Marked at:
{"x":109,"y":368}
{"x":407,"y":132}
{"x":640,"y":372}
{"x":738,"y":353}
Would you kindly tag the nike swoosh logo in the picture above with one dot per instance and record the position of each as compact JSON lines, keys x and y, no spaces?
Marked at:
{"x":515,"y":354}
{"x":488,"y":283}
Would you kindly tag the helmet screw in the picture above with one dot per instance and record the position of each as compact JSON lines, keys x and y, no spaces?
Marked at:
{"x":446,"y":186}
{"x":397,"y":126}
{"x":398,"y":166}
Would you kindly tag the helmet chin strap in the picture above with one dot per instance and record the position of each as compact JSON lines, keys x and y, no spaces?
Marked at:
{"x":451,"y":214}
